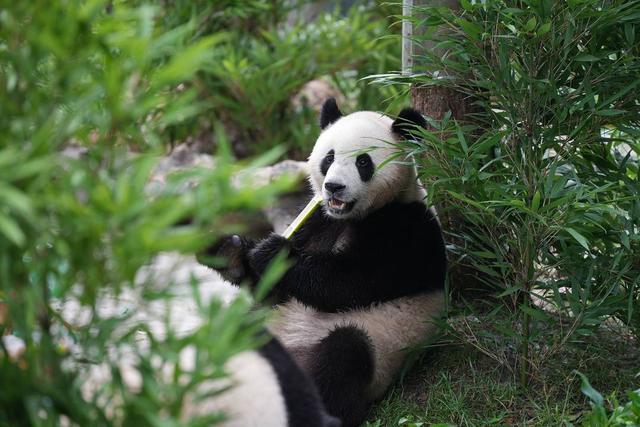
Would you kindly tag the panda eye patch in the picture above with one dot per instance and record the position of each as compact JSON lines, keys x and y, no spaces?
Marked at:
{"x":365,"y":167}
{"x":326,"y":162}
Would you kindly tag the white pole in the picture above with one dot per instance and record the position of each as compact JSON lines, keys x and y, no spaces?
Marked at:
{"x":407,"y":36}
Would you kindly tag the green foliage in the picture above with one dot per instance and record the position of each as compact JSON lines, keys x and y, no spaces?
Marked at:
{"x":79,"y":229}
{"x":265,"y":52}
{"x":618,"y":415}
{"x":543,"y":177}
{"x":254,"y":75}
{"x":92,"y":72}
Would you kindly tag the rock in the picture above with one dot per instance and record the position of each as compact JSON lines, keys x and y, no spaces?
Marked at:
{"x":190,"y":154}
{"x":14,"y":346}
{"x":278,"y":216}
{"x":183,"y":156}
{"x":314,"y":93}
{"x":167,"y":272}
{"x":74,"y":151}
{"x":286,"y":210}
{"x":289,"y":205}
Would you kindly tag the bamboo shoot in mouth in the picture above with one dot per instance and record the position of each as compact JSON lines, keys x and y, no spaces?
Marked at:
{"x":306,"y":213}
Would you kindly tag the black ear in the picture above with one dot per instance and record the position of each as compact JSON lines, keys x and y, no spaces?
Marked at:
{"x":330,"y":113}
{"x":408,"y":122}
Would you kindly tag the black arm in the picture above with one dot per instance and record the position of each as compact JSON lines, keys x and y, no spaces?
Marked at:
{"x":384,"y":266}
{"x":338,"y":282}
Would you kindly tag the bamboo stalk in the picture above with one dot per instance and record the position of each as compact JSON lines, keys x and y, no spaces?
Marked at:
{"x":407,"y":38}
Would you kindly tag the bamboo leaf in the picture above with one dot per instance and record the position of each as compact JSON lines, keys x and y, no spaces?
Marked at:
{"x":535,"y":202}
{"x":589,"y":391}
{"x":579,"y":237}
{"x":544,"y":29}
{"x":11,"y":230}
{"x":586,"y":57}
{"x":530,"y":24}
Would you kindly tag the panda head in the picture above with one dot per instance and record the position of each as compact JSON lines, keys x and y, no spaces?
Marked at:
{"x":357,"y":165}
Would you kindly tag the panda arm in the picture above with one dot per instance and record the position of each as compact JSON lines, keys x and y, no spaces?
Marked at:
{"x":234,"y":251}
{"x":318,"y":280}
{"x":237,"y":251}
{"x":334,"y":282}
{"x":386,"y":263}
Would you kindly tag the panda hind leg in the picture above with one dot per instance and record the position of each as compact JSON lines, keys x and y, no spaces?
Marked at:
{"x":342,"y":367}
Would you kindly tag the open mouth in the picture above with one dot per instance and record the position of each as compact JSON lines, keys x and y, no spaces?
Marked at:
{"x":337,"y":206}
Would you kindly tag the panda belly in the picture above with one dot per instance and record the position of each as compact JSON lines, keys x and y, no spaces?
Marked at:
{"x":392,"y":327}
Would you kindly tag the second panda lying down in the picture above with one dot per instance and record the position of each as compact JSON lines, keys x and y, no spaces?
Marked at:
{"x":264,"y":388}
{"x":368,"y":269}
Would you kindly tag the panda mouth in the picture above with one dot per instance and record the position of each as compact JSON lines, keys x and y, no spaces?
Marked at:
{"x":337,"y":206}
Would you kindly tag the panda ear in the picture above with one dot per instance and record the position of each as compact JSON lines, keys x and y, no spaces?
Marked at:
{"x":408,"y":123}
{"x":330,"y":113}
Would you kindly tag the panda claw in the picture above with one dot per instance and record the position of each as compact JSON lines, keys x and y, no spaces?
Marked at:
{"x":235,"y":274}
{"x":236,"y":241}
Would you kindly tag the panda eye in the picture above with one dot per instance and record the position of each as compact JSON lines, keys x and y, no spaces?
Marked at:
{"x":363,"y":161}
{"x":365,"y":167}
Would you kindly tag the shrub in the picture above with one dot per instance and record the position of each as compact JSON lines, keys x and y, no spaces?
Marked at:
{"x":254,"y":75}
{"x":267,"y":52}
{"x":544,"y":174}
{"x":610,"y":413}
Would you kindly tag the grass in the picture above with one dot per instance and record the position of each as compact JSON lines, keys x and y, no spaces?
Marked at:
{"x":459,"y":385}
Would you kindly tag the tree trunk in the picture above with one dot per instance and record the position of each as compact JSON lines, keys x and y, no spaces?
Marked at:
{"x":435,"y":102}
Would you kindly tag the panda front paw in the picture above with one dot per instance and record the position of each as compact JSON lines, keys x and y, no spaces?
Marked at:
{"x":262,"y":254}
{"x":233,"y":250}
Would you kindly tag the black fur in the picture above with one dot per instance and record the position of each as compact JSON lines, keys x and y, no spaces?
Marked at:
{"x":365,"y":166}
{"x":408,"y":123}
{"x":304,"y":406}
{"x":342,"y":368}
{"x":326,"y":162}
{"x":396,"y":251}
{"x":234,"y":265}
{"x":330,"y":113}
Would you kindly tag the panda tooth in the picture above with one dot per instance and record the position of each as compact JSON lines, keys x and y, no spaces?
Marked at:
{"x":337,"y":204}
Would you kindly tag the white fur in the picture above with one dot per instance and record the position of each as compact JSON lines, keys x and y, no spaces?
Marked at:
{"x":392,"y":326}
{"x":254,"y":398}
{"x":370,"y":132}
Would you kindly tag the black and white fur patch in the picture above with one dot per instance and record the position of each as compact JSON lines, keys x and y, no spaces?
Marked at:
{"x":266,"y":388}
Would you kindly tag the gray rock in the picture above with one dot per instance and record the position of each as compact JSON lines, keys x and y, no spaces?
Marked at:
{"x":278,"y":216}
{"x":282,"y":213}
{"x":314,"y":93}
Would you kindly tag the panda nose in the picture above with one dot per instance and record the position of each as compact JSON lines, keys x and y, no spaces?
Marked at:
{"x":333,"y":187}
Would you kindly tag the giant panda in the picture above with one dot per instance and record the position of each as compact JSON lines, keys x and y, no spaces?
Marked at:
{"x":264,"y":388}
{"x":367,"y":270}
